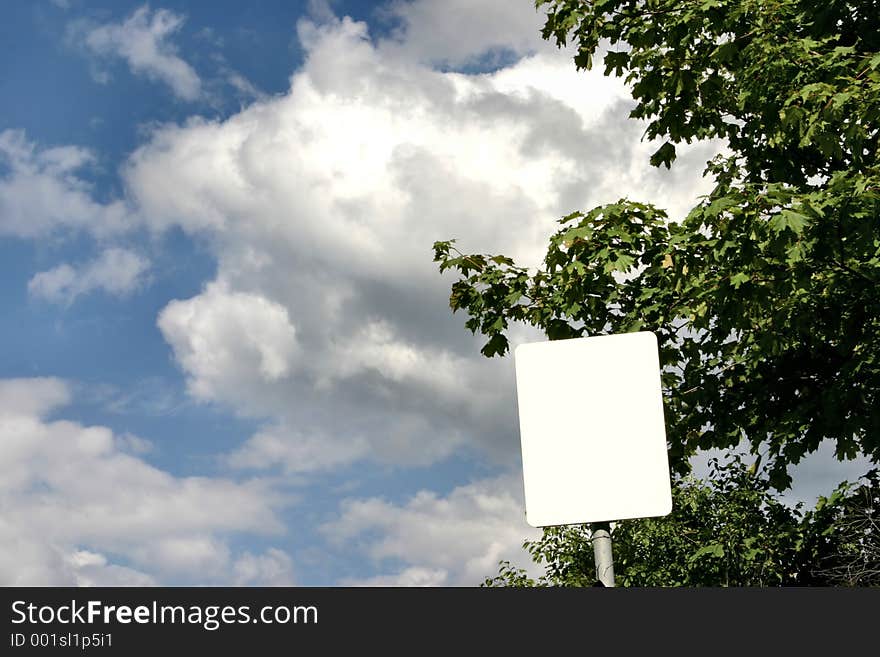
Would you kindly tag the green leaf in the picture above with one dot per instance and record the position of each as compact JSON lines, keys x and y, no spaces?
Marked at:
{"x":664,"y":155}
{"x":714,"y":550}
{"x":719,"y":205}
{"x":496,"y":346}
{"x":739,"y":278}
{"x":788,"y":219}
{"x":623,"y":262}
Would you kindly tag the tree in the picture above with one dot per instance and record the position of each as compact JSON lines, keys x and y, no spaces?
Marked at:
{"x":765,"y":298}
{"x":730,"y":530}
{"x":853,"y":517}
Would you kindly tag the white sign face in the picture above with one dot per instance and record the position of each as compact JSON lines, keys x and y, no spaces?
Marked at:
{"x":591,"y":424}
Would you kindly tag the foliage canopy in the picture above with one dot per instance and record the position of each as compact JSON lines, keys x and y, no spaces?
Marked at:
{"x":730,"y":530}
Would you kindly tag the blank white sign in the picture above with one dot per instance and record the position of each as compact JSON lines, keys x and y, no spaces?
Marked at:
{"x":591,"y":424}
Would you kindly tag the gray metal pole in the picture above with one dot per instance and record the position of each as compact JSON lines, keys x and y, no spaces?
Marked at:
{"x":601,"y":537}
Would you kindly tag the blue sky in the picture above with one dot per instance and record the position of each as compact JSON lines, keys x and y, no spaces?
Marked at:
{"x":228,"y":357}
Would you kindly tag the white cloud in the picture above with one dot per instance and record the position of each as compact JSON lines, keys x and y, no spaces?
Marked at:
{"x":456,"y":540}
{"x":115,"y":271}
{"x":297,"y":452}
{"x":272,"y":568}
{"x":41,"y":192}
{"x":224,"y":338}
{"x":93,"y":569}
{"x":76,"y":508}
{"x":324,"y":204}
{"x":245,"y":88}
{"x":33,"y":397}
{"x":142,"y":40}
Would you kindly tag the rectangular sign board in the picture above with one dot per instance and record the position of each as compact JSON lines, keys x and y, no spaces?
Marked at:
{"x":592,"y":430}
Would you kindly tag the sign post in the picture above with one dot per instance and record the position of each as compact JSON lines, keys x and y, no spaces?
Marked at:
{"x":601,"y":537}
{"x":593,"y":436}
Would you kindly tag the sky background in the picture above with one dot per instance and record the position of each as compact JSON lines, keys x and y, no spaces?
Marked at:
{"x":227,"y":356}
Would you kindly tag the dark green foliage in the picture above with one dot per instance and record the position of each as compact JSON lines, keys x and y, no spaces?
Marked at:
{"x":731,"y":530}
{"x":852,"y":516}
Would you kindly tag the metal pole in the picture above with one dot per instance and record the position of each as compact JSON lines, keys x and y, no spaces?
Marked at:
{"x":601,"y":537}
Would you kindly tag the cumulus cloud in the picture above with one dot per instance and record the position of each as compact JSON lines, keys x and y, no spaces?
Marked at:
{"x":324,"y":204}
{"x":42,"y":191}
{"x":225,"y":338}
{"x":115,"y":271}
{"x":77,"y":508}
{"x":143,"y":41}
{"x":456,"y":540}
